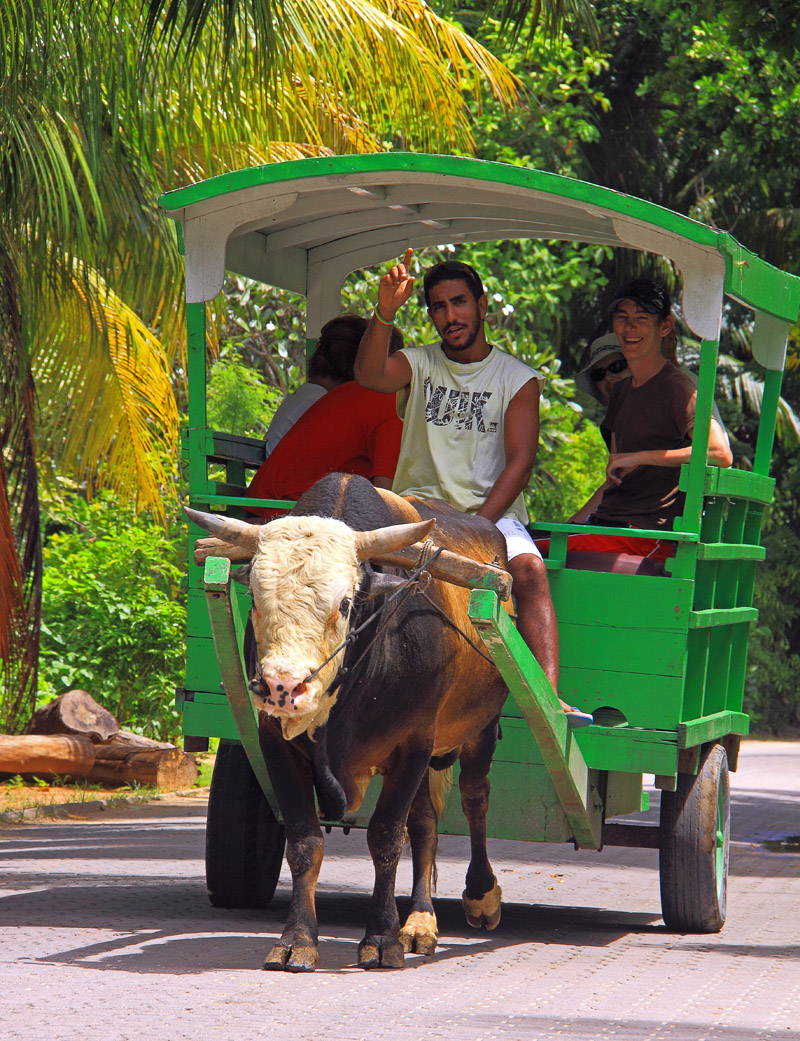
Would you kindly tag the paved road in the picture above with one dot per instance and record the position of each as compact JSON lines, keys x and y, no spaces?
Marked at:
{"x":106,"y":935}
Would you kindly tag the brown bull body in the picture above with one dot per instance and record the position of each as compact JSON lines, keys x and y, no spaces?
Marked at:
{"x":410,"y":689}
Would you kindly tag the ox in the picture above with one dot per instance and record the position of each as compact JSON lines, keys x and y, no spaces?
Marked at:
{"x":410,"y":694}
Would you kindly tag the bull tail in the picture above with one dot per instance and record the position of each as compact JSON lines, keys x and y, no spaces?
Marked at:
{"x":439,"y":784}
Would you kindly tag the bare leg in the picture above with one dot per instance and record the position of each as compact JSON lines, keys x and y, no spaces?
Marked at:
{"x":536,"y":616}
{"x":536,"y":622}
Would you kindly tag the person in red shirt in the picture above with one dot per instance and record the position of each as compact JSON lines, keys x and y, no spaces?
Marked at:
{"x":349,"y":430}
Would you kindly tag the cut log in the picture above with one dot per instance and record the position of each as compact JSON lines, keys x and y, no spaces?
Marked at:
{"x":45,"y":755}
{"x":130,"y":759}
{"x":130,"y":740}
{"x":75,"y":712}
{"x":125,"y":759}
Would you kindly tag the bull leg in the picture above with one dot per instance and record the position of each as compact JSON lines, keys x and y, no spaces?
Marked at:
{"x":420,"y":932}
{"x":381,"y":947}
{"x":482,"y":895}
{"x":297,"y":949}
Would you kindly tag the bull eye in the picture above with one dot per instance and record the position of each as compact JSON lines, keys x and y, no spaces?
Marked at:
{"x":344,"y":607}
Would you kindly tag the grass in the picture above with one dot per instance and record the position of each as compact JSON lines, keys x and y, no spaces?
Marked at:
{"x":20,"y":793}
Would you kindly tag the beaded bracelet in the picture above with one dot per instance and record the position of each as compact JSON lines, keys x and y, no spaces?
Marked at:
{"x":381,"y":319}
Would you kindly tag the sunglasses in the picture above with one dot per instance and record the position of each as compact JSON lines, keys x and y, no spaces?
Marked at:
{"x":613,"y":367}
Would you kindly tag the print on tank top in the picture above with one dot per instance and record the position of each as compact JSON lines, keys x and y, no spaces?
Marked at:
{"x":461,"y":408}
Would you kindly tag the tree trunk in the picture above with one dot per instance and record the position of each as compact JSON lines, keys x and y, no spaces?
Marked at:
{"x":75,"y":712}
{"x":125,"y":759}
{"x":66,"y":755}
{"x":130,"y":759}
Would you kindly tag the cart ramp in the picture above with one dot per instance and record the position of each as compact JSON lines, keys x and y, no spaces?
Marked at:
{"x":227,"y":628}
{"x":574,"y":784}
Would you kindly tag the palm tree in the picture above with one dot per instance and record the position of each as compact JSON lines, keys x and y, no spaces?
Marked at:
{"x":94,"y":124}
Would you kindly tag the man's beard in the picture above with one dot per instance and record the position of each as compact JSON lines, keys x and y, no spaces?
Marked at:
{"x":465,"y":346}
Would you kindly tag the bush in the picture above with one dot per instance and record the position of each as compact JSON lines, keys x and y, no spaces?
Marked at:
{"x":772,"y":691}
{"x":572,"y":470}
{"x":114,"y":615}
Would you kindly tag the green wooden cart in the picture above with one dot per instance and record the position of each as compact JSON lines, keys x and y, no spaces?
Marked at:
{"x":659,"y":660}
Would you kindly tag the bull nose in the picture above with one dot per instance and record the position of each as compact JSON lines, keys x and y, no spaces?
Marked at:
{"x":282,"y":691}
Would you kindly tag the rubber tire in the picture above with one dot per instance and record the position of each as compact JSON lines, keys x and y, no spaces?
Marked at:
{"x":695,"y":844}
{"x":244,"y":841}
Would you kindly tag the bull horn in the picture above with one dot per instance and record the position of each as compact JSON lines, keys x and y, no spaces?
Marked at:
{"x":396,"y":536}
{"x":228,"y":529}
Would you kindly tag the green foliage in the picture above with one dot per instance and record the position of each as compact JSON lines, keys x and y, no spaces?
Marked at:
{"x":568,"y":475}
{"x":773,"y":680}
{"x":113,"y":613}
{"x":238,"y":401}
{"x":267,"y":327}
{"x":555,"y":117}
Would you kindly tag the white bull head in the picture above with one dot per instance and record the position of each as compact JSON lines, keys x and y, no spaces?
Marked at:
{"x":304,"y":576}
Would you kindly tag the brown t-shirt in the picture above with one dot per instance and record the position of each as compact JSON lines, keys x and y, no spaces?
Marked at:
{"x":656,"y":416}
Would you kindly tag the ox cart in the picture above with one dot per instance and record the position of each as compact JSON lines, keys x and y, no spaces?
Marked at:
{"x":659,"y":660}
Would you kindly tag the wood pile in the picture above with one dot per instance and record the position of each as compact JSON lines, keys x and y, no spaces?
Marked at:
{"x":74,"y":737}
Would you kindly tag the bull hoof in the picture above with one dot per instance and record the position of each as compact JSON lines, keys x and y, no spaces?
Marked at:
{"x":380,"y":953}
{"x":420,"y":933}
{"x":292,"y":959}
{"x":485,"y":912}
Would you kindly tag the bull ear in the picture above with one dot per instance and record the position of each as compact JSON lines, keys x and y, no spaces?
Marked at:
{"x":227,"y":529}
{"x":379,"y":584}
{"x":242,"y":574}
{"x":386,"y":540}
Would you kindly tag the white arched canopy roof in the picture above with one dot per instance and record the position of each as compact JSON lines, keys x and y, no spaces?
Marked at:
{"x":305,"y":225}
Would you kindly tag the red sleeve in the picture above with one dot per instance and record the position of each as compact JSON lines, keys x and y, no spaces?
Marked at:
{"x":384,"y":446}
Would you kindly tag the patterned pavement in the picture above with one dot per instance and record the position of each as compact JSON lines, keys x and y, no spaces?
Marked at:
{"x":106,"y":935}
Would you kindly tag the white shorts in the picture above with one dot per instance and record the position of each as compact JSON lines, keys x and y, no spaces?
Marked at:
{"x":518,"y":538}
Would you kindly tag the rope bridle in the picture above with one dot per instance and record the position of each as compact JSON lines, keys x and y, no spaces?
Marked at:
{"x":416,"y":583}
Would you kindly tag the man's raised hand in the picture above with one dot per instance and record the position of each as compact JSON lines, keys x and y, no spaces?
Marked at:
{"x":395,"y":288}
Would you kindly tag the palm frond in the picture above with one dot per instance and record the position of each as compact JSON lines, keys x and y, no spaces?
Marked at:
{"x":109,"y":415}
{"x":745,"y":388}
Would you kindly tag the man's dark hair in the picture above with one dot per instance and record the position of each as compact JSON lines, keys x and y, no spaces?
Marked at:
{"x":337,"y":346}
{"x":449,"y":271}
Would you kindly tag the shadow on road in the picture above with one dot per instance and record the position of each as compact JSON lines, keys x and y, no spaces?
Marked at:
{"x":159,"y":935}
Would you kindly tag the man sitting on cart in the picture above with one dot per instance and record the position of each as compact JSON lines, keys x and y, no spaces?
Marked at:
{"x":470,"y":428}
{"x":651,"y":420}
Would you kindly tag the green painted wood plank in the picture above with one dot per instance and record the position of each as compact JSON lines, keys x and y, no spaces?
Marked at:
{"x":730,"y":551}
{"x":652,"y":702}
{"x":517,"y":744}
{"x":599,"y":529}
{"x":739,"y":484}
{"x":708,"y":728}
{"x":629,"y":750}
{"x":202,"y":668}
{"x":632,"y":602}
{"x":645,"y":651}
{"x":523,"y":806}
{"x":543,"y":714}
{"x":624,"y":794}
{"x":722,"y":616}
{"x":211,"y":499}
{"x":204,"y":719}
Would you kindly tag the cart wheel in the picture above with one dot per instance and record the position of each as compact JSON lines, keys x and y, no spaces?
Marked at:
{"x":244,"y":842}
{"x":695,"y":839}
